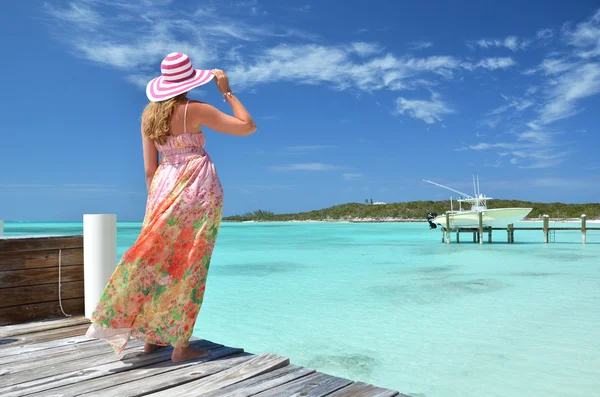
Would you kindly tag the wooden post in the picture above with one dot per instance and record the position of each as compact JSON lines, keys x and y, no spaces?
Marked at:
{"x":443,"y":234}
{"x":490,"y":235}
{"x":457,"y":236}
{"x":448,"y":228}
{"x":474,"y":237}
{"x":545,"y":217}
{"x":583,"y":239}
{"x":509,"y":231}
{"x":480,"y":227}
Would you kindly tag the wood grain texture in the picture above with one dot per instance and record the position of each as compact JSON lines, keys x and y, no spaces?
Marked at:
{"x":21,"y":260}
{"x":28,"y":328}
{"x":23,"y":346}
{"x":315,"y":385}
{"x":365,"y":390}
{"x":262,"y":382}
{"x":18,"y":296}
{"x":48,"y":275}
{"x":13,"y":244}
{"x":57,"y":357}
{"x":24,"y":383}
{"x":32,"y":340}
{"x":257,"y":365}
{"x":158,"y":377}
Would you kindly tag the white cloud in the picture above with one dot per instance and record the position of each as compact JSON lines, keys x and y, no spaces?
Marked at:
{"x":568,"y":89}
{"x":420,"y":45}
{"x":429,"y":111}
{"x":518,"y":104}
{"x":351,"y":176}
{"x":307,"y":167}
{"x":135,"y":36}
{"x":496,"y":63}
{"x":336,"y":65}
{"x":568,"y":78}
{"x":544,"y":34}
{"x":512,"y":43}
{"x":586,"y":37}
{"x":551,"y":66}
{"x":365,"y":49}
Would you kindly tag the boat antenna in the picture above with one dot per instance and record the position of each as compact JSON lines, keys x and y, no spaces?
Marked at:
{"x":478,"y":187}
{"x":474,"y":187}
{"x":446,"y":187}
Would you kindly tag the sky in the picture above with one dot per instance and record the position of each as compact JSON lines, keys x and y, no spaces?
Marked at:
{"x":356,"y":101}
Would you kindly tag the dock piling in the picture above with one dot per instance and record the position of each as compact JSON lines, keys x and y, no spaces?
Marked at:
{"x":545,"y":228}
{"x":583,"y":237}
{"x":480,"y":228}
{"x":448,"y":228}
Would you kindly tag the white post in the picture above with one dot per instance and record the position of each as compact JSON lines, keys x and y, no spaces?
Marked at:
{"x":1,"y":228}
{"x":99,"y":256}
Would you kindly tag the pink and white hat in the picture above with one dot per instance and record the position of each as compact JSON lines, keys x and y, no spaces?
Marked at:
{"x":178,"y":76}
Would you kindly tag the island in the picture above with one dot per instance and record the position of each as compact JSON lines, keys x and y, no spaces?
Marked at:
{"x":414,"y":211}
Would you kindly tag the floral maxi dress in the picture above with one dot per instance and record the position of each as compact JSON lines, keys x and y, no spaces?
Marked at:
{"x":156,"y":291}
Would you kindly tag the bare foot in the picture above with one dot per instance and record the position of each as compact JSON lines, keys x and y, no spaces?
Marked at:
{"x":149,"y":347}
{"x":188,"y":353}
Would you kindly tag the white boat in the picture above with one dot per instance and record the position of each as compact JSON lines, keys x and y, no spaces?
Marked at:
{"x":494,"y":217}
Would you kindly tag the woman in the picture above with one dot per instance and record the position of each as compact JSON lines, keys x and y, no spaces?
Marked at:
{"x":157,"y":289}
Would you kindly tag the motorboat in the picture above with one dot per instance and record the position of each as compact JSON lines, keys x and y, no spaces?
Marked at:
{"x":465,"y":218}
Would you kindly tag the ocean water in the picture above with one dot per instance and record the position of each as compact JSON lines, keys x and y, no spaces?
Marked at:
{"x":389,"y":304}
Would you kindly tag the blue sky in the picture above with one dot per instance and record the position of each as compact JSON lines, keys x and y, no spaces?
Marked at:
{"x":353,"y":102}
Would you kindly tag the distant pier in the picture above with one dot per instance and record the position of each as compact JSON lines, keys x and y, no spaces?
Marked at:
{"x":479,"y":232}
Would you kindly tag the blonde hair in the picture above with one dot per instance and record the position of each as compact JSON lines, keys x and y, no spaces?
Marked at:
{"x":156,"y":118}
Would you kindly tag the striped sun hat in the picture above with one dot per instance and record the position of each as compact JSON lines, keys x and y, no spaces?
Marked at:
{"x":177,"y":76}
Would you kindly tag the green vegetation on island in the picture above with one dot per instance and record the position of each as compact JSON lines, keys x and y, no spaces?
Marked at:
{"x":415,"y":210}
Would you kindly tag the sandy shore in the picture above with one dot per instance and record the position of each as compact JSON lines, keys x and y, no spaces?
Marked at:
{"x":407,"y":220}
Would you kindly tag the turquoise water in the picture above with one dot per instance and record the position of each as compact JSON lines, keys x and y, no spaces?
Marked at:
{"x":389,"y":304}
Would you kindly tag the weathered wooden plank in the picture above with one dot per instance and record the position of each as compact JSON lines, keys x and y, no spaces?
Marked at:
{"x":21,"y":260}
{"x":77,"y":365}
{"x":22,"y":347}
{"x":40,"y":311}
{"x":28,"y":328}
{"x":32,"y":339}
{"x":315,"y":385}
{"x":33,"y":356}
{"x":53,"y":357}
{"x":17,"y":296}
{"x":153,"y":378}
{"x":75,"y":371}
{"x":257,"y":365}
{"x":48,"y":275}
{"x":365,"y":390}
{"x":257,"y":384}
{"x":36,"y":243}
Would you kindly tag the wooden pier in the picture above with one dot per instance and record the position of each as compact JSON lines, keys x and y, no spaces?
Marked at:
{"x":53,"y":357}
{"x":479,"y":232}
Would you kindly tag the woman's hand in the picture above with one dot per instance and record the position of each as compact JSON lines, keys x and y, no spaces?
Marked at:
{"x":221,"y":80}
